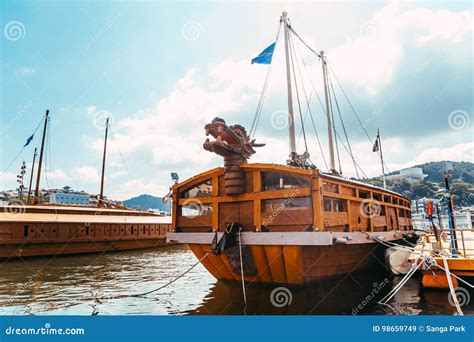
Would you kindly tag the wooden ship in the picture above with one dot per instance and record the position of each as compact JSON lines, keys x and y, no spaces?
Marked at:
{"x":283,"y":224}
{"x":35,"y":229}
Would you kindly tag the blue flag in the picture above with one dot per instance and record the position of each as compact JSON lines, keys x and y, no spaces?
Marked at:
{"x":265,"y":57}
{"x":29,"y":140}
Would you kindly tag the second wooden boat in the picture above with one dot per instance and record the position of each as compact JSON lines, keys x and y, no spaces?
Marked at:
{"x":41,"y":229}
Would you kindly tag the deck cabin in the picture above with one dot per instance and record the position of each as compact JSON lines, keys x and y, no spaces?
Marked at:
{"x":287,"y":199}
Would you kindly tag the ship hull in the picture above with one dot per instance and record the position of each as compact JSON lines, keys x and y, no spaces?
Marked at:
{"x":30,"y":231}
{"x":278,"y":261}
{"x":293,"y":226}
{"x":13,"y":251}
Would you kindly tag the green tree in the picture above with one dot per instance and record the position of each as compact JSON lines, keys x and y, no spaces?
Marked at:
{"x":463,"y":193}
{"x":422,"y":189}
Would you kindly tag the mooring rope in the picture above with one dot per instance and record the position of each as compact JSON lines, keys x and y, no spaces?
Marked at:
{"x":451,"y":287}
{"x":455,"y":276}
{"x":393,"y":244}
{"x":242,"y":272}
{"x":161,"y":287}
{"x":398,"y":287}
{"x":428,"y":262}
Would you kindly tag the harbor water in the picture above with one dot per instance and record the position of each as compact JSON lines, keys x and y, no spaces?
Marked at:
{"x":86,"y":285}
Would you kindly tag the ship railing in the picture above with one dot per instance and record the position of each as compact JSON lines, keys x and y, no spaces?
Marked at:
{"x":464,"y":239}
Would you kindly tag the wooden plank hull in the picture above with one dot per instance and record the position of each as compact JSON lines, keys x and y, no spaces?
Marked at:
{"x":297,"y":265}
{"x":49,"y":231}
{"x":78,"y":247}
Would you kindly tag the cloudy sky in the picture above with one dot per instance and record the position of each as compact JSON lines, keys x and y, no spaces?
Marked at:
{"x":163,"y":70}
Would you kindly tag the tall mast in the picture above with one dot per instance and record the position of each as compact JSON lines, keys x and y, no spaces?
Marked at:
{"x":291,"y":121}
{"x":101,"y":196}
{"x":31,"y":177}
{"x":38,"y":176}
{"x":381,"y":160}
{"x":328,"y":114}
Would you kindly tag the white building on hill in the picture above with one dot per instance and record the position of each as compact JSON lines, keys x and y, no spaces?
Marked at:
{"x":412,"y":174}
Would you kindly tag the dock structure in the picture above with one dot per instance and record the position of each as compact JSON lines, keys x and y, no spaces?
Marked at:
{"x":436,"y":248}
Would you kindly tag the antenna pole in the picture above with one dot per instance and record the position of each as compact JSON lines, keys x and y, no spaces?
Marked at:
{"x":31,"y":177}
{"x":332,"y":163}
{"x":291,"y":121}
{"x":101,"y":196}
{"x":40,"y":163}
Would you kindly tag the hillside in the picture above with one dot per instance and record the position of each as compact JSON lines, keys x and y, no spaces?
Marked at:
{"x":147,"y":202}
{"x":462,"y":184}
{"x":434,"y":170}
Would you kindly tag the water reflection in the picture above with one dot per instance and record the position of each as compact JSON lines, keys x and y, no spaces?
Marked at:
{"x":80,"y":285}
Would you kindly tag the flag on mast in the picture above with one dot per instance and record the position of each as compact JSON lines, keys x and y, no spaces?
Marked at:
{"x":376,"y":146}
{"x":265,"y":57}
{"x":29,"y":140}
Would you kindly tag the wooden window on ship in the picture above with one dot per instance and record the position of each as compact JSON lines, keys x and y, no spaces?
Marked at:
{"x":330,"y":187}
{"x":202,"y":189}
{"x":281,"y":180}
{"x":195,"y":209}
{"x":334,"y":204}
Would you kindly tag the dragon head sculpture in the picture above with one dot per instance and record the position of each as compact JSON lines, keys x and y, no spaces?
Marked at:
{"x":231,"y":141}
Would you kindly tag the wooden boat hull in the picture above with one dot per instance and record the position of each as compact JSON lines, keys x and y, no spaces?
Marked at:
{"x":75,"y":247}
{"x":27,"y":231}
{"x":297,"y":225}
{"x":285,"y":264}
{"x":295,"y":265}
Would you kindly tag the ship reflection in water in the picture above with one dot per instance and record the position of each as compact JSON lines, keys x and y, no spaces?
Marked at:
{"x":80,"y":285}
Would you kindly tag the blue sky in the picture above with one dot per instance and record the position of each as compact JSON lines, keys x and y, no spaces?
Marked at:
{"x":163,"y":70}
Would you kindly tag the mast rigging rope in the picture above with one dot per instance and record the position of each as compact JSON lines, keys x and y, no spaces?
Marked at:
{"x":308,"y":104}
{"x":21,"y":150}
{"x":343,"y":126}
{"x":264,"y":91}
{"x":354,"y":111}
{"x":297,"y":91}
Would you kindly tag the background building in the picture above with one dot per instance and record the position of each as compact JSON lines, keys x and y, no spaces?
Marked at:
{"x":412,"y":174}
{"x":69,"y":198}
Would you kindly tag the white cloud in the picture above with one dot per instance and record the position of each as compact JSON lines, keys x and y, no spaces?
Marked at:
{"x":91,"y":109}
{"x":86,"y":173}
{"x":27,"y":71}
{"x":370,"y":60}
{"x":171,"y":133}
{"x":459,"y":152}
